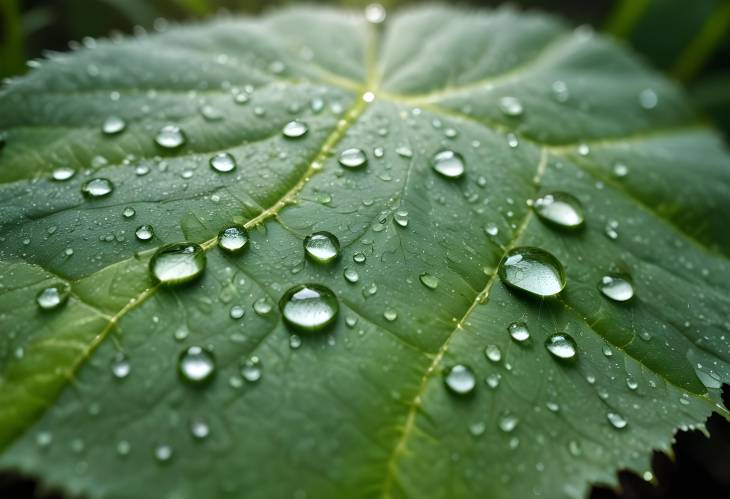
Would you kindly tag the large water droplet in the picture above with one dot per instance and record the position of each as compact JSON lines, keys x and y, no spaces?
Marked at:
{"x":144,"y":232}
{"x":223,"y":162}
{"x":562,"y":346}
{"x":233,"y":238}
{"x":295,"y":129}
{"x":533,"y":270}
{"x":113,"y":125}
{"x":519,"y":331}
{"x":617,"y":287}
{"x":309,"y":307}
{"x":561,"y":209}
{"x":97,"y":188}
{"x":448,"y":163}
{"x":177,"y":263}
{"x":460,"y":379}
{"x":196,"y":365}
{"x":353,"y":158}
{"x":170,"y":137}
{"x":53,"y":296}
{"x":322,"y":247}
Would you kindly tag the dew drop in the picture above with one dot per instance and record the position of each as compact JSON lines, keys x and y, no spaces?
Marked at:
{"x":519,"y":331}
{"x":196,"y":365}
{"x":493,"y":380}
{"x":448,"y":163}
{"x":620,"y":170}
{"x":491,"y":229}
{"x":390,"y":314}
{"x":460,"y":379}
{"x":533,"y":270}
{"x":648,"y":98}
{"x":295,"y":341}
{"x":493,"y":353}
{"x":177,"y":263}
{"x":163,"y":453}
{"x":144,"y":232}
{"x":309,"y":307}
{"x":121,"y":366}
{"x":199,"y":428}
{"x":561,"y":346}
{"x":429,"y":280}
{"x":560,"y":209}
{"x":252,"y":369}
{"x":508,"y":423}
{"x":262,"y":306}
{"x":113,"y":125}
{"x":353,"y":158}
{"x":233,"y":238}
{"x":351,"y":275}
{"x":237,"y":312}
{"x":295,"y":129}
{"x":611,"y":230}
{"x":223,"y":162}
{"x":617,"y":287}
{"x":170,"y":137}
{"x":616,"y":420}
{"x":322,"y":247}
{"x":401,"y":218}
{"x":404,"y":152}
{"x":359,"y":257}
{"x":375,"y":13}
{"x":53,"y":297}
{"x":511,"y":106}
{"x":97,"y":188}
{"x":62,"y":173}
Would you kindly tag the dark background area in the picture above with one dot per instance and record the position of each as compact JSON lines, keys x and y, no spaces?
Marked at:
{"x":689,"y":41}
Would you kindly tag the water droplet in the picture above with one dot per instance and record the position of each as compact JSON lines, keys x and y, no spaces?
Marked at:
{"x":611,"y":229}
{"x":113,"y":125}
{"x":491,"y":229}
{"x":460,"y":379}
{"x":62,"y":173}
{"x":448,"y":163}
{"x":295,"y":129}
{"x":199,"y":428}
{"x":351,"y":275}
{"x":309,"y":307}
{"x":404,"y":152}
{"x":53,"y":296}
{"x":477,"y":428}
{"x":375,"y":13}
{"x":560,"y":90}
{"x":223,"y":162}
{"x":97,"y":187}
{"x":210,"y":113}
{"x":561,"y":209}
{"x":177,"y":263}
{"x":237,"y":312}
{"x":233,"y":238}
{"x":170,"y":137}
{"x":519,"y":331}
{"x":617,"y":287}
{"x":631,"y":383}
{"x":511,"y":106}
{"x":44,"y":439}
{"x":322,"y":247}
{"x":508,"y":423}
{"x":552,"y":406}
{"x":562,"y":346}
{"x":390,"y":314}
{"x":493,"y":380}
{"x":123,"y":448}
{"x":493,"y":353}
{"x":620,"y":170}
{"x":533,"y":270}
{"x":163,"y":453}
{"x":353,"y":158}
{"x":401,"y":218}
{"x":262,"y":306}
{"x":429,"y":280}
{"x":648,"y":99}
{"x":295,"y":341}
{"x":121,"y":366}
{"x":359,"y":257}
{"x":616,"y":420}
{"x":252,"y":369}
{"x":196,"y":365}
{"x":144,"y":232}
{"x":607,"y":351}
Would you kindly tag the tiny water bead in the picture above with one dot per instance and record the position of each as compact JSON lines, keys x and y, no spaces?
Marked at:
{"x":617,"y":420}
{"x":262,"y":306}
{"x":196,"y":365}
{"x":62,"y":173}
{"x":309,"y":307}
{"x":560,"y":209}
{"x":233,"y":238}
{"x":199,"y":428}
{"x":97,"y":188}
{"x":353,"y":158}
{"x":121,"y":366}
{"x":429,"y":280}
{"x":223,"y":162}
{"x":511,"y":106}
{"x":128,"y":212}
{"x":113,"y":125}
{"x":170,"y":137}
{"x":448,"y":163}
{"x":460,"y":379}
{"x":493,"y":353}
{"x":144,"y":232}
{"x":518,"y":331}
{"x":322,"y":247}
{"x":295,"y":129}
{"x":533,"y":270}
{"x":561,"y":346}
{"x":53,"y":296}
{"x":617,"y":287}
{"x":177,"y":263}
{"x":163,"y":453}
{"x":237,"y":312}
{"x":251,"y":370}
{"x":351,"y":275}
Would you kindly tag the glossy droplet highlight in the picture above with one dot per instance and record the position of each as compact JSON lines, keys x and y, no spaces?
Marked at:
{"x":493,"y":353}
{"x":429,"y":280}
{"x":144,"y":232}
{"x":518,"y":331}
{"x":113,"y":125}
{"x":448,"y":163}
{"x":121,"y":366}
{"x":54,"y":296}
{"x":252,"y":370}
{"x":562,"y":346}
{"x":97,"y":188}
{"x":322,"y":247}
{"x":460,"y":379}
{"x":223,"y":162}
{"x":353,"y":158}
{"x":295,"y":129}
{"x":617,"y":287}
{"x":309,"y":307}
{"x":170,"y":137}
{"x":233,"y":238}
{"x":561,"y":209}
{"x":62,"y":173}
{"x":617,"y":420}
{"x":533,"y":270}
{"x":177,"y":263}
{"x":196,"y":365}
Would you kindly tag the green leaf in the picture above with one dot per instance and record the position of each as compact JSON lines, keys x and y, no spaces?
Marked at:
{"x":360,"y":410}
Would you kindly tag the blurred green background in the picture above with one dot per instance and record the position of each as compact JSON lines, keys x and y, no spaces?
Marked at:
{"x":688,"y":40}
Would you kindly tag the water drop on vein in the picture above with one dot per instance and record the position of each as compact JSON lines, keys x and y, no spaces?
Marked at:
{"x":518,"y":331}
{"x":493,"y":380}
{"x":53,"y":297}
{"x":170,"y":137}
{"x":97,"y":188}
{"x":223,"y":162}
{"x":233,"y":238}
{"x":177,"y":263}
{"x":309,"y":307}
{"x":113,"y":125}
{"x":295,"y":129}
{"x":196,"y":365}
{"x":448,"y":164}
{"x":533,"y":270}
{"x":322,"y":247}
{"x":561,"y":346}
{"x":617,"y":287}
{"x":353,"y":158}
{"x":560,"y":209}
{"x":460,"y":379}
{"x":144,"y":232}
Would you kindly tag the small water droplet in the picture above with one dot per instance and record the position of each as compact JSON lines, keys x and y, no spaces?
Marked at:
{"x":309,"y":307}
{"x":123,"y":448}
{"x":620,"y":170}
{"x":170,"y":137}
{"x":519,"y":331}
{"x":401,"y":218}
{"x":375,"y":13}
{"x":616,"y":420}
{"x":404,"y":152}
{"x":322,"y":247}
{"x":561,"y":346}
{"x":62,"y":173}
{"x":53,"y":297}
{"x":44,"y":439}
{"x":560,"y":209}
{"x":252,"y":369}
{"x":295,"y":341}
{"x":617,"y":287}
{"x":493,"y":380}
{"x":511,"y":106}
{"x":351,"y":275}
{"x":491,"y":229}
{"x":97,"y":188}
{"x":611,"y":229}
{"x":128,"y":212}
{"x":144,"y":232}
{"x":648,"y":98}
{"x":353,"y":158}
{"x":210,"y":113}
{"x":295,"y":129}
{"x":631,"y":383}
{"x":163,"y":453}
{"x":508,"y":423}
{"x":223,"y":162}
{"x":113,"y":125}
{"x":533,"y":270}
{"x":359,"y":257}
{"x":477,"y":428}
{"x":121,"y":366}
{"x":233,"y":238}
{"x":199,"y":428}
{"x":196,"y":365}
{"x":237,"y":312}
{"x":262,"y":306}
{"x":177,"y":263}
{"x":429,"y":280}
{"x":448,"y":163}
{"x":390,"y":314}
{"x":460,"y":379}
{"x":493,"y":353}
